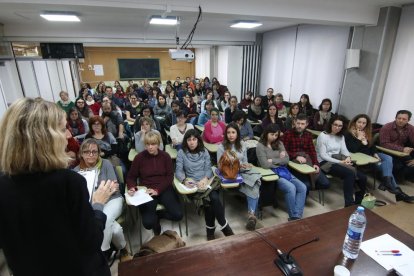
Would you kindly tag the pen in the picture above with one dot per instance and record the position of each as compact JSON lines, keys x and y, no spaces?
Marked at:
{"x":389,"y":254}
{"x":388,"y":251}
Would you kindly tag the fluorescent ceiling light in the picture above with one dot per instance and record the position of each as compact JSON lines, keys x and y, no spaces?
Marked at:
{"x":246,"y":25}
{"x":60,"y":16}
{"x":158,"y":20}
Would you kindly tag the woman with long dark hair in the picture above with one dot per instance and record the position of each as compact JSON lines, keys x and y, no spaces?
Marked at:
{"x":359,"y":139}
{"x":335,"y":159}
{"x":270,"y":154}
{"x":193,"y":164}
{"x":251,"y":185}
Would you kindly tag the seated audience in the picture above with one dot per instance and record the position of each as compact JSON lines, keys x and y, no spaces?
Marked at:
{"x":206,"y":114}
{"x":171,"y":96}
{"x":399,"y":135}
{"x":322,"y":117}
{"x":94,"y":106}
{"x":146,"y":170}
{"x":229,"y":111}
{"x":293,"y":113}
{"x":255,"y":112}
{"x":106,"y":141}
{"x":146,"y":126}
{"x":225,"y":102}
{"x":172,"y":118}
{"x":271,"y":154}
{"x":90,"y":160}
{"x":64,"y":101}
{"x":272,"y":118}
{"x":193,"y":164}
{"x":161,"y":108}
{"x":190,"y":107}
{"x":113,"y":121}
{"x":246,"y":131}
{"x":247,"y":100}
{"x":209,"y":97}
{"x":83,"y":109}
{"x":335,"y":159}
{"x":305,"y":107}
{"x":77,"y":126}
{"x":281,"y":108}
{"x":300,"y":148}
{"x":178,"y":130}
{"x":134,"y":108}
{"x":268,"y":99}
{"x":251,"y":185}
{"x":148,"y":113}
{"x":359,"y":139}
{"x":214,"y":129}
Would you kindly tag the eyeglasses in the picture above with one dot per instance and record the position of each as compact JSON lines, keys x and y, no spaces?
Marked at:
{"x":80,"y":102}
{"x":338,"y":126}
{"x":89,"y":152}
{"x":96,"y":124}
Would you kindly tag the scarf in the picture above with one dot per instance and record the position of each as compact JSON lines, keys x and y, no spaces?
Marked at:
{"x":279,"y":106}
{"x":324,"y":117}
{"x":256,"y":109}
{"x":98,"y":166}
{"x":90,"y":102}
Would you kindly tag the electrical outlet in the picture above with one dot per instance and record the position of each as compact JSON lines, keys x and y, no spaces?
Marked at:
{"x":90,"y":67}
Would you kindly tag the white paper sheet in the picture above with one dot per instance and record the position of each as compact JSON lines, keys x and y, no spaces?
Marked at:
{"x":90,"y":176}
{"x":140,"y":197}
{"x":381,"y":247}
{"x":98,"y":68}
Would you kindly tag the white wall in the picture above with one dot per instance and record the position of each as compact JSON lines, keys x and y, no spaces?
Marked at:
{"x":234,"y":70}
{"x":3,"y":103}
{"x":311,"y":62}
{"x":222,"y":64}
{"x":202,"y":62}
{"x":277,"y":61}
{"x":400,"y":82}
{"x":10,"y":80}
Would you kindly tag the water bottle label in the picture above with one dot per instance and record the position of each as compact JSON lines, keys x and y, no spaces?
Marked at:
{"x":353,"y":234}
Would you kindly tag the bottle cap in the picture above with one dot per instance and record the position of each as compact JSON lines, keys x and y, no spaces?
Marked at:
{"x":360,"y":208}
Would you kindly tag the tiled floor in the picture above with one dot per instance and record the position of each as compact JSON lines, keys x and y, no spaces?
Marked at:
{"x":236,"y":215}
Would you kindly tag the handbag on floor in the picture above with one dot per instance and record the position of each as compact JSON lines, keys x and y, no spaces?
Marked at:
{"x":166,"y":241}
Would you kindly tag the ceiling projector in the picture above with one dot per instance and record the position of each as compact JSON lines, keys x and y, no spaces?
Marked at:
{"x":181,"y":54}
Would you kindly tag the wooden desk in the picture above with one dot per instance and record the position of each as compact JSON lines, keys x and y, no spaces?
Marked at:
{"x":171,"y":151}
{"x":254,"y":123}
{"x":200,"y":128}
{"x":314,"y":132}
{"x":301,"y":168}
{"x":362,"y":159}
{"x":132,"y":154}
{"x":248,"y":254}
{"x":392,"y":152}
{"x":212,"y":148}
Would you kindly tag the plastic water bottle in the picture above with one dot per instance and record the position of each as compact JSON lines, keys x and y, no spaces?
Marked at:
{"x":353,"y":237}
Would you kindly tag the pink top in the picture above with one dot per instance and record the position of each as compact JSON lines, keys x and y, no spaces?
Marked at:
{"x":214,"y":135}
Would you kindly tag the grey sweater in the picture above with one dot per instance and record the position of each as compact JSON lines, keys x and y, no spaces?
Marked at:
{"x":107,"y":172}
{"x":193,"y":165}
{"x":264,"y":153}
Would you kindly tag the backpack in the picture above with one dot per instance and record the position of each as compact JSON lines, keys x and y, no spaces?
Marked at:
{"x":229,"y":165}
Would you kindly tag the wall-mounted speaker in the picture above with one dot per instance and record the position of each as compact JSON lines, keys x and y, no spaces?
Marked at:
{"x":62,"y":50}
{"x":352,"y":58}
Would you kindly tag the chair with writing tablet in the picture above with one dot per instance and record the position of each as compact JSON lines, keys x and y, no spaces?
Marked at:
{"x":133,"y":215}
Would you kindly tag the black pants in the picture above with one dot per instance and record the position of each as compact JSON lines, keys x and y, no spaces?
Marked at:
{"x":401,"y":168}
{"x":349,"y":179}
{"x":214,"y":210}
{"x":172,"y":211}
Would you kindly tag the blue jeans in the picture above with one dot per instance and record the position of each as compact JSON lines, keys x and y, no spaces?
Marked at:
{"x":386,"y":167}
{"x":295,"y":195}
{"x":252,"y":204}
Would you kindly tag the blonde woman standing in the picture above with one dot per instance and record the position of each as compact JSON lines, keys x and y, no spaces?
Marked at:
{"x":45,"y":207}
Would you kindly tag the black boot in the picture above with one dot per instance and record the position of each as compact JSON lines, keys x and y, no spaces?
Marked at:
{"x":210,"y":233}
{"x":386,"y":184}
{"x":227,"y":231}
{"x":157,"y":228}
{"x":401,"y":196}
{"x":359,"y":196}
